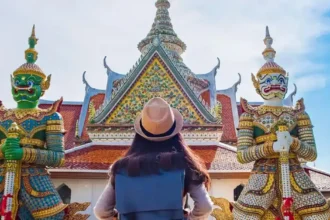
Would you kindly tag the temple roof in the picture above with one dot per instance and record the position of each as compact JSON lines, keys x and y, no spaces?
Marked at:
{"x":163,"y":28}
{"x":97,"y":157}
{"x":219,"y":158}
{"x":186,"y":84}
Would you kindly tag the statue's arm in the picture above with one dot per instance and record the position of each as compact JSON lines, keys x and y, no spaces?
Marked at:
{"x":54,"y":155}
{"x":247,"y":151}
{"x":304,"y":146}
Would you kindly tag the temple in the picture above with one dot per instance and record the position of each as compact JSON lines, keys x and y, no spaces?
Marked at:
{"x":99,"y":129}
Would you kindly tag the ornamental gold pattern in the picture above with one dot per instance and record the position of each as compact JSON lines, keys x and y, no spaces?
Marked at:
{"x":224,"y":212}
{"x":155,"y":81}
{"x":75,"y":207}
{"x":41,"y":148}
{"x":49,"y":211}
{"x":256,"y":135}
{"x":21,"y":115}
{"x":31,"y":191}
{"x":267,"y":137}
{"x":33,"y":142}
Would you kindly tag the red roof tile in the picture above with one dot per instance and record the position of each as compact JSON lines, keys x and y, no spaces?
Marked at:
{"x":70,"y":114}
{"x":206,"y":96}
{"x":101,"y":157}
{"x":229,"y":133}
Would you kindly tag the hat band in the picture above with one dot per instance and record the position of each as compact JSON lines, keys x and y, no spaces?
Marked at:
{"x":169,"y":132}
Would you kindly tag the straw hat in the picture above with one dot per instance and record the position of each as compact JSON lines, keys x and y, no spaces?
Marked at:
{"x":158,"y":121}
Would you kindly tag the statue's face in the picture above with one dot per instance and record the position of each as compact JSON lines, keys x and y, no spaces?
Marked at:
{"x":26,"y":88}
{"x":273,"y":86}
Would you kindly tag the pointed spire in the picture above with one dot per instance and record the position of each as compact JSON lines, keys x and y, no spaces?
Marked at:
{"x":163,"y":28}
{"x":269,"y":52}
{"x":31,"y":55}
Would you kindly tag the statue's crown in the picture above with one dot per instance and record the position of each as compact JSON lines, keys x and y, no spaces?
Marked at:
{"x":269,"y":54}
{"x":31,"y":56}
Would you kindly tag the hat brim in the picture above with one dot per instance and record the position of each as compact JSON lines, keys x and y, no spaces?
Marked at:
{"x":178,"y":127}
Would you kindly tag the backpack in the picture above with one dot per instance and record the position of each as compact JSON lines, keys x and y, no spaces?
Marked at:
{"x":157,"y":196}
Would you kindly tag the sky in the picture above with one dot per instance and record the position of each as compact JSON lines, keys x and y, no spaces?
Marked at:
{"x":74,"y":36}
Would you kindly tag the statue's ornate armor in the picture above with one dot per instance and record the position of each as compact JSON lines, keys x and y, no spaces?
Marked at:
{"x":261,"y":197}
{"x":42,"y":143}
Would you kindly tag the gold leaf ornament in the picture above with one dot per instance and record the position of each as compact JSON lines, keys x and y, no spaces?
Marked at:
{"x":223,"y":212}
{"x":256,"y":83}
{"x":46,"y":83}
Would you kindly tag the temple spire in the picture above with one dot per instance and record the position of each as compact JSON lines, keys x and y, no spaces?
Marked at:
{"x":269,"y":52}
{"x":163,"y":29}
{"x":31,"y":55}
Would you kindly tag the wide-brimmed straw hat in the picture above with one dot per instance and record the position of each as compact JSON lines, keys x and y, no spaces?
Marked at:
{"x":158,"y":121}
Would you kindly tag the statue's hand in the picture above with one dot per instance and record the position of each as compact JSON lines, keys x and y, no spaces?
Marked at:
{"x":283,"y":143}
{"x":10,"y":143}
{"x":284,"y":136}
{"x":14,"y":154}
{"x":12,"y":150}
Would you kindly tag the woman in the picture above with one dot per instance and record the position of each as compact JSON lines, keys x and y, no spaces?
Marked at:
{"x":157,"y":145}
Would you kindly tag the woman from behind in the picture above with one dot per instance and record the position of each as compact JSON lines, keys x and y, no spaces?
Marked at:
{"x":158,"y":145}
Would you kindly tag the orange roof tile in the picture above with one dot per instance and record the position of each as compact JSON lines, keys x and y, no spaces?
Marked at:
{"x":229,"y":133}
{"x":206,"y":96}
{"x":70,"y":114}
{"x":101,"y":157}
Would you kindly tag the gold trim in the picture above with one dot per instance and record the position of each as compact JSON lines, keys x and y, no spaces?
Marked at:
{"x":37,"y":129}
{"x":257,"y":211}
{"x":21,"y":71}
{"x":245,"y":124}
{"x":310,"y":211}
{"x":54,"y":128}
{"x":49,"y":211}
{"x":266,"y":137}
{"x":29,"y":155}
{"x":269,"y":183}
{"x":268,"y":145}
{"x":31,"y":191}
{"x":268,"y":71}
{"x":305,"y":122}
{"x":33,"y":142}
{"x":291,"y":156}
{"x":294,"y":184}
{"x":295,"y":144}
{"x":55,"y":122}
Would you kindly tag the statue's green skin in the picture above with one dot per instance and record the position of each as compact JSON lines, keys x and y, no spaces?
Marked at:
{"x":26,"y":99}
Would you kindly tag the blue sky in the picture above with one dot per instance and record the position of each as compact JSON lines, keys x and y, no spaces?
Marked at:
{"x":74,"y":36}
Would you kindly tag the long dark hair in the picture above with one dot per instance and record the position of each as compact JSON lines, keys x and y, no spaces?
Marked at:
{"x":146,"y":157}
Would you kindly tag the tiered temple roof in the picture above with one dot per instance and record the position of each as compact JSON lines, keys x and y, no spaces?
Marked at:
{"x":100,"y":128}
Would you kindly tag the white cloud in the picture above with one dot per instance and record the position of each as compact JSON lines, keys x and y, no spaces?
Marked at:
{"x":309,"y":83}
{"x":76,"y":35}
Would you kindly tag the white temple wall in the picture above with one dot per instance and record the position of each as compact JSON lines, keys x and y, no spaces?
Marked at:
{"x":89,"y":190}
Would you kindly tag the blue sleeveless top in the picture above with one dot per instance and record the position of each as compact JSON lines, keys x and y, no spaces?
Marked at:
{"x":158,"y":196}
